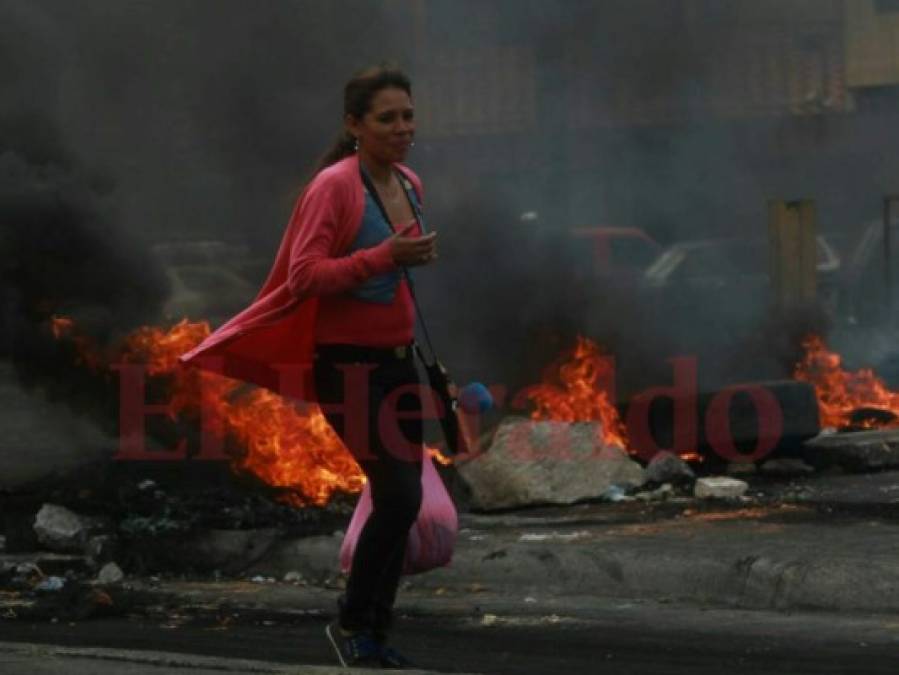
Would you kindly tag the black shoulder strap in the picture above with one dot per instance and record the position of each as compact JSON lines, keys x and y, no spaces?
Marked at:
{"x":369,"y":186}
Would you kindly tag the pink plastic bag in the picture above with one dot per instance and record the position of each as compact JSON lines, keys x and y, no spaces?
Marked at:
{"x":432,"y":537}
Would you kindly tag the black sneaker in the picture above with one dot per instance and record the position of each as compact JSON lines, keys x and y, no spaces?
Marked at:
{"x":391,"y":658}
{"x":354,"y":649}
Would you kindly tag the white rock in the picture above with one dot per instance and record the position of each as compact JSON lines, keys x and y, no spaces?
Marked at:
{"x":110,"y":573}
{"x":532,"y":462}
{"x":720,"y":486}
{"x":59,"y":529}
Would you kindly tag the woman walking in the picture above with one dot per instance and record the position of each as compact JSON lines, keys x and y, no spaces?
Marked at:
{"x":338,"y":298}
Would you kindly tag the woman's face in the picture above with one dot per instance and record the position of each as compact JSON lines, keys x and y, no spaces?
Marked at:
{"x":385,"y":132}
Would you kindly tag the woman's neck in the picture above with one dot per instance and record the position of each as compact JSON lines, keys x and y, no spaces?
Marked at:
{"x":379,"y":171}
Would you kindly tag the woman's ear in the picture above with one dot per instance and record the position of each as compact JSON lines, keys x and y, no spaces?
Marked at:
{"x":351,"y":124}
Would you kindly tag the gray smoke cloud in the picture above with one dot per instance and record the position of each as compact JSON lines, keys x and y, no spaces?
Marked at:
{"x":204,"y":117}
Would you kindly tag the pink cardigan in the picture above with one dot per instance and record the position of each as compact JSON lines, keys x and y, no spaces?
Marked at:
{"x":270,"y":343}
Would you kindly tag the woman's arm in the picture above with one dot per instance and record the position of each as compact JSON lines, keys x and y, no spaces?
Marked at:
{"x":314,"y":268}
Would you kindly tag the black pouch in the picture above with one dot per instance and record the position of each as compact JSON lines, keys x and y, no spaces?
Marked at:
{"x":445,"y":396}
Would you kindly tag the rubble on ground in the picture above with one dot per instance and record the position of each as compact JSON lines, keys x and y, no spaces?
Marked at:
{"x":855,"y":451}
{"x":786,"y":466}
{"x":667,"y":467}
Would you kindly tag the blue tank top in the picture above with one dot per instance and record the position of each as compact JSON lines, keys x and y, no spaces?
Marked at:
{"x":372,"y":231}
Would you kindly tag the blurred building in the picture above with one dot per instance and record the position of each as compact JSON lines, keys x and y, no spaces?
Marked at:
{"x":567,"y":96}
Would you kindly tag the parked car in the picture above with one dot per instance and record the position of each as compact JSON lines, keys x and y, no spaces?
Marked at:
{"x":863,"y":281}
{"x":613,"y":251}
{"x":735,"y":269}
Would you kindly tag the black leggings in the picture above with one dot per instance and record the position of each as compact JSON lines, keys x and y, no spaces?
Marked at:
{"x":388,"y":448}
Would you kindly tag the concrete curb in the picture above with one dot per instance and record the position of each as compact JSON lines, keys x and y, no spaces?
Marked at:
{"x":760,"y":561}
{"x":752,"y":579}
{"x":778,"y":559}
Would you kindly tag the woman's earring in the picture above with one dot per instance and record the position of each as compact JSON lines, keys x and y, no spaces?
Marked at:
{"x":356,"y":145}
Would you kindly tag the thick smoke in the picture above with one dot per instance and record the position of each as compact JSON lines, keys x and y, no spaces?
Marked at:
{"x":62,"y":252}
{"x":207,"y":116}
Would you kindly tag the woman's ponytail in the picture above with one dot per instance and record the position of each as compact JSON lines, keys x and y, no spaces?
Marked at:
{"x":343,"y":146}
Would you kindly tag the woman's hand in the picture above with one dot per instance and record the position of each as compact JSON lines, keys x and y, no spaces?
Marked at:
{"x":413,"y":251}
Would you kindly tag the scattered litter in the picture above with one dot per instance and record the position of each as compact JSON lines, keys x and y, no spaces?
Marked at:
{"x":259,"y":579}
{"x":293,"y":577}
{"x":101,"y":597}
{"x":554,"y":536}
{"x":554,"y":619}
{"x":29,"y":569}
{"x":615,"y":493}
{"x":51,"y":584}
{"x":661,"y":493}
{"x":146,"y":484}
{"x":530,"y":599}
{"x":98,"y":547}
{"x":721,"y":487}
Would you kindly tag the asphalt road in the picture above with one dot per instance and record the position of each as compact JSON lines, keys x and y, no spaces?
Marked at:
{"x":622,"y":638}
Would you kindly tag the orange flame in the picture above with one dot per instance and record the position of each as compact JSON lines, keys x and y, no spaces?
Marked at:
{"x":61,"y":325}
{"x":840,"y":392}
{"x":286,"y":444}
{"x":582,"y":393}
{"x":439,"y":457}
{"x":88,"y":354}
